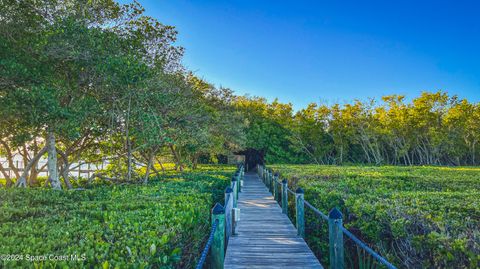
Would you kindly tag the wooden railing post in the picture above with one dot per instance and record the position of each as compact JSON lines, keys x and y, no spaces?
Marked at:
{"x":229,"y":221}
{"x":335,"y":235}
{"x":284,"y":197}
{"x":267,"y":183}
{"x":270,"y":183}
{"x":235,"y":192}
{"x":218,"y":244}
{"x":237,"y":175}
{"x":299,"y":211}
{"x":264,"y":174}
{"x":242,"y":176}
{"x":275,"y":187}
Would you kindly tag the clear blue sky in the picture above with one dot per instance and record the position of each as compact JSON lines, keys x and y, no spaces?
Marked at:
{"x":335,"y":51}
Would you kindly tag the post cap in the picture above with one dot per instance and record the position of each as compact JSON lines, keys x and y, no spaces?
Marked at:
{"x":276,"y":174}
{"x":335,"y":214}
{"x":228,"y":190}
{"x":234,"y":178}
{"x":218,"y":209}
{"x":299,"y":191}
{"x":284,"y":181}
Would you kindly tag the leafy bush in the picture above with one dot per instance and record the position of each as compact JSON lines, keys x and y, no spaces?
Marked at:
{"x":417,"y":217}
{"x":159,"y":225}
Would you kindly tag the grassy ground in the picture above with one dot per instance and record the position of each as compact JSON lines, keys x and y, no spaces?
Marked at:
{"x":160,"y":225}
{"x":418,"y":217}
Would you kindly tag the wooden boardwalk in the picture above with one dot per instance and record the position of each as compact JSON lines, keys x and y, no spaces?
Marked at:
{"x":265,"y":238}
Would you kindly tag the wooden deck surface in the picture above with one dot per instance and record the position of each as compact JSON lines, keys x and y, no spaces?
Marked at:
{"x":265,"y":238}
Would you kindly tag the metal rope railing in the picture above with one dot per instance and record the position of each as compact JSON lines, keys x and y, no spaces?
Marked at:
{"x":345,"y":231}
{"x":290,"y":191}
{"x":205,"y":251}
{"x":221,"y":217}
{"x":318,"y":212}
{"x":368,"y":249}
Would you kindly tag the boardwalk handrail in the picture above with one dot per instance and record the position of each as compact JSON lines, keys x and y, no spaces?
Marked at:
{"x":223,"y":224}
{"x":318,"y":212}
{"x":361,"y":244}
{"x":205,"y":251}
{"x":334,"y":220}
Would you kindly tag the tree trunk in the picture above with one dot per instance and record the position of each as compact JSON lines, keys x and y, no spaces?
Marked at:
{"x":129,"y":159}
{"x":473,"y":153}
{"x":11,"y":165}
{"x":32,"y":180}
{"x":195,"y":161}
{"x":178,"y":162}
{"x":149,"y":165}
{"x":129,"y":144}
{"x":156,"y":171}
{"x":65,"y":170}
{"x":341,"y":154}
{"x":365,"y":151}
{"x":306,"y":150}
{"x":6,"y":176}
{"x":52,"y":162}
{"x":161,"y":165}
{"x":22,"y":180}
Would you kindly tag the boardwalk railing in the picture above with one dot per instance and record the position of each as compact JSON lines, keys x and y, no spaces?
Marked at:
{"x":334,"y":219}
{"x":224,"y":222}
{"x":75,"y":169}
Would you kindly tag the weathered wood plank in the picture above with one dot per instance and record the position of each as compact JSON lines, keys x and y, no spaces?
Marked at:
{"x":266,"y":237}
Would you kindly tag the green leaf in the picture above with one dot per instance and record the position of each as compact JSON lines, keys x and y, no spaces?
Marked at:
{"x":153,"y":249}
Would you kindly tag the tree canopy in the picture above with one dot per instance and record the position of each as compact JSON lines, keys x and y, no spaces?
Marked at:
{"x":96,"y":80}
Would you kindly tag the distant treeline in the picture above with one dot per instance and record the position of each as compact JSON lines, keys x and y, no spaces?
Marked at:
{"x":432,"y":129}
{"x":96,"y":80}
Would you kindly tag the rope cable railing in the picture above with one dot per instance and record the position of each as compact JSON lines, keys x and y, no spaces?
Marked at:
{"x":318,"y":212}
{"x":223,"y":224}
{"x":290,"y":191}
{"x":345,"y":231}
{"x":367,"y":249}
{"x":205,"y":251}
{"x":355,"y":239}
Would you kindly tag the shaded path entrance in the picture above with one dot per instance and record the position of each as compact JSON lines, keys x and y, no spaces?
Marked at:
{"x":253,"y":158}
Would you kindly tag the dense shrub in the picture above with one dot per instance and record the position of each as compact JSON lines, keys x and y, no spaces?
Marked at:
{"x":159,"y":225}
{"x":417,"y":217}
